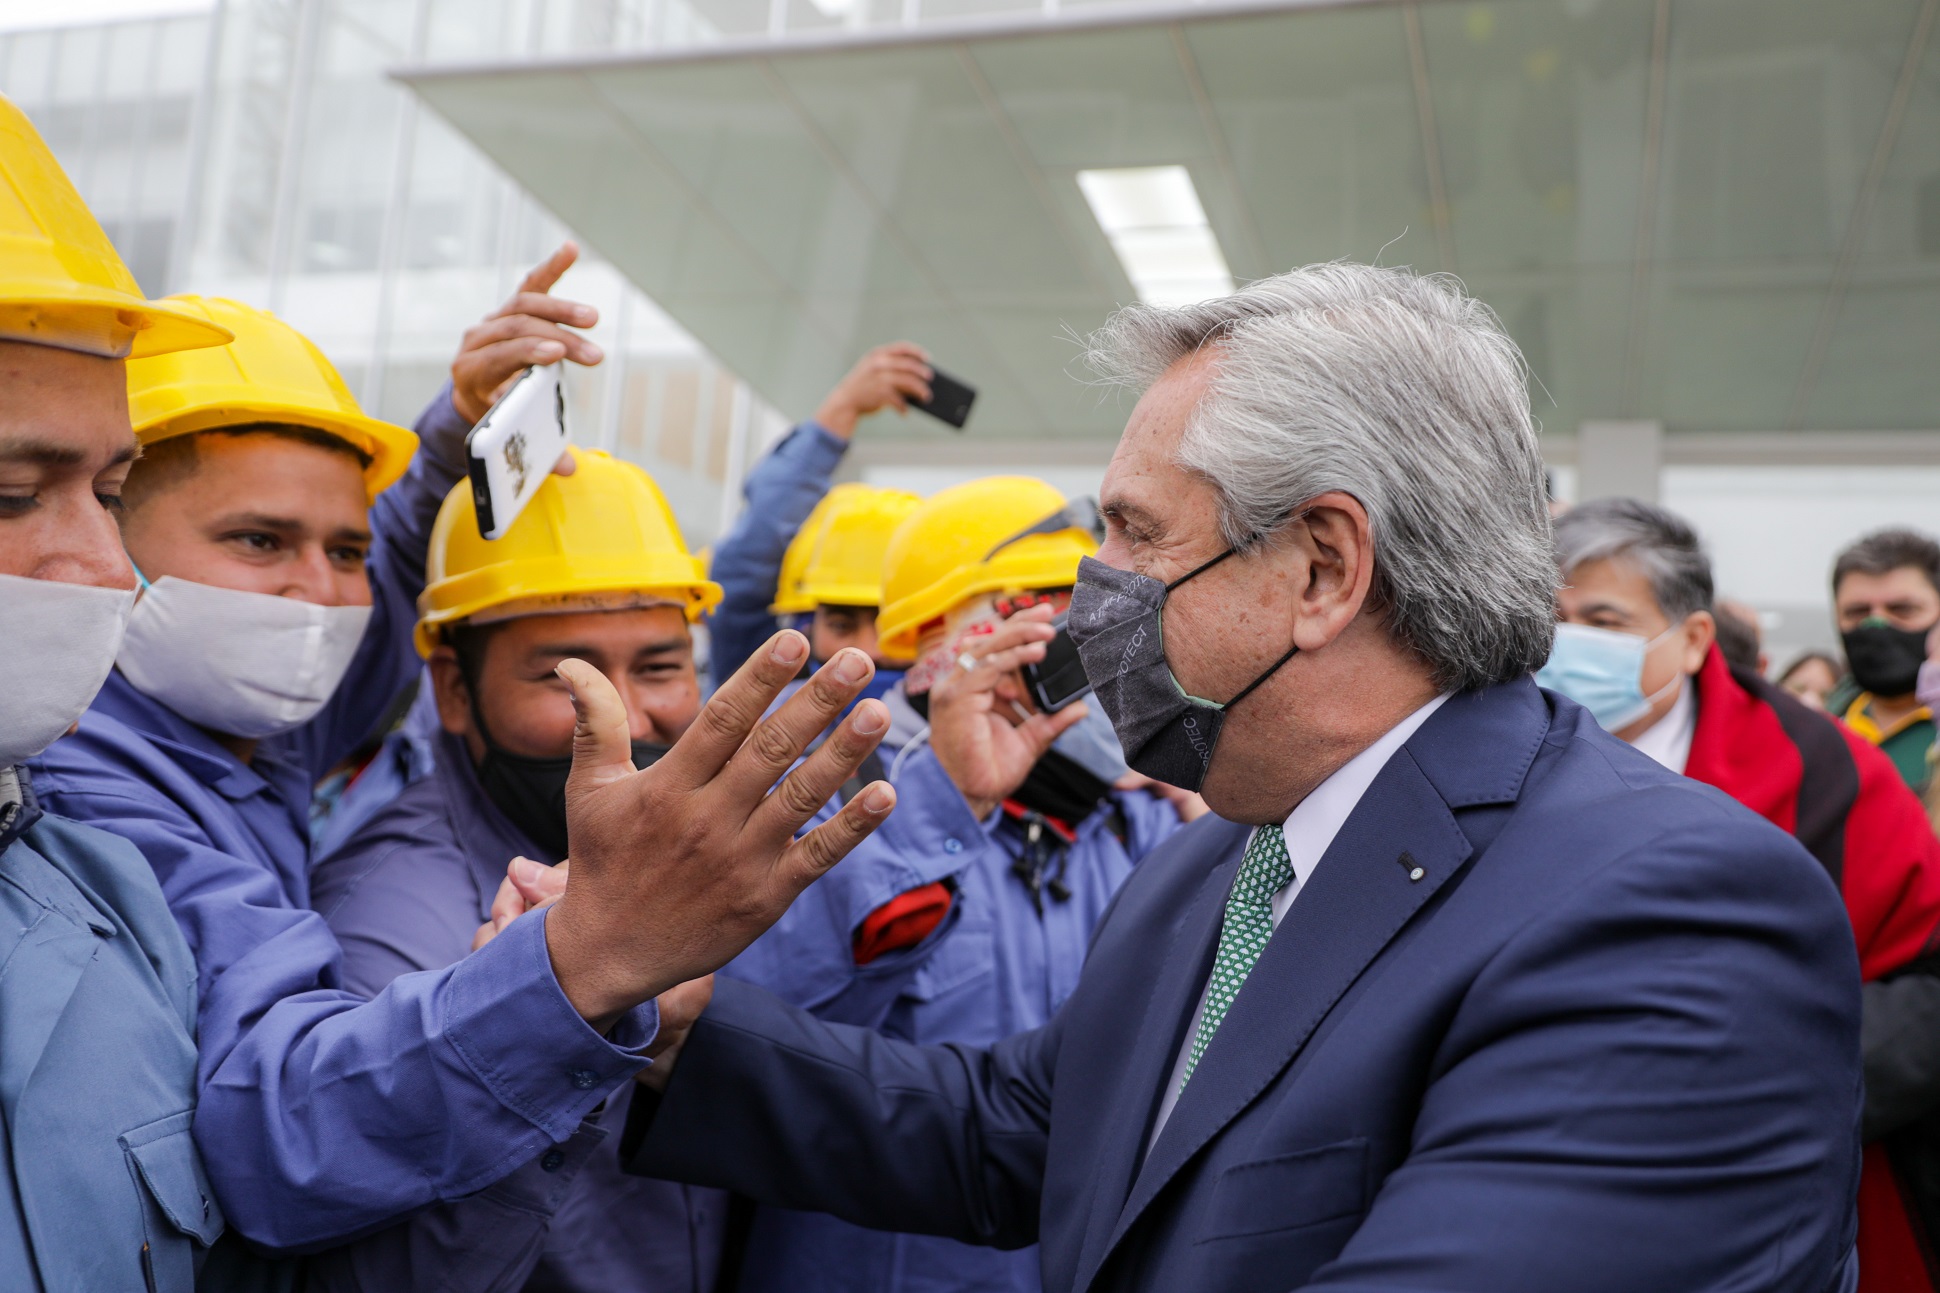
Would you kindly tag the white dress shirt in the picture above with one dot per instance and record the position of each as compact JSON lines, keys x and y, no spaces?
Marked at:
{"x":1668,"y":740}
{"x":1308,"y":831}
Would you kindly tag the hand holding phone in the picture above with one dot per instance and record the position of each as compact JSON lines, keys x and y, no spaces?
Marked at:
{"x":514,"y":446}
{"x":949,"y":400}
{"x":1059,"y":678}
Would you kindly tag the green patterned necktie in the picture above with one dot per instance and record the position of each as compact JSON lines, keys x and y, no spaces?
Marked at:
{"x":1263,"y":872}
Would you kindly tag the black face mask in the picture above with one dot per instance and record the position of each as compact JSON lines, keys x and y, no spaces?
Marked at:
{"x":531,"y":792}
{"x":1117,"y":623}
{"x":1885,"y":660}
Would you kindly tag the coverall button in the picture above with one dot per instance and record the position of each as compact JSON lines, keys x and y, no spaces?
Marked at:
{"x":552,"y":1160}
{"x":953,"y":845}
{"x":585,"y":1079}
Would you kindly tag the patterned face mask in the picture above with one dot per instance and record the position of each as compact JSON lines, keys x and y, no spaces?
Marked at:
{"x":1117,"y":625}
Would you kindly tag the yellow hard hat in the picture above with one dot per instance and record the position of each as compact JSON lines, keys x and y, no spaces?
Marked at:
{"x":269,"y":373}
{"x":794,"y":562}
{"x":998,"y":534}
{"x":587,"y":541}
{"x":843,"y":541}
{"x":61,"y":282}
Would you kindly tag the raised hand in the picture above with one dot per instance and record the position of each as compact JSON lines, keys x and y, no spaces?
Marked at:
{"x":888,"y":377}
{"x":984,"y":732}
{"x":530,"y":330}
{"x":677,"y":868}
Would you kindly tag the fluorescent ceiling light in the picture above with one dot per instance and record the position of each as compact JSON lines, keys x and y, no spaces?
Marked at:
{"x":834,"y":8}
{"x":1156,"y":224}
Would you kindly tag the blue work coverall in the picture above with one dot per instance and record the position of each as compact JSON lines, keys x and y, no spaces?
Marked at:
{"x":405,"y":894}
{"x":781,"y":491}
{"x":100,"y":1184}
{"x":323,"y":1115}
{"x":1000,"y":963}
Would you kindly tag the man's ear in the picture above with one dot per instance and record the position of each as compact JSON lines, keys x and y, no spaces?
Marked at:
{"x":1700,"y":631}
{"x":449,"y":690}
{"x":1333,"y":539}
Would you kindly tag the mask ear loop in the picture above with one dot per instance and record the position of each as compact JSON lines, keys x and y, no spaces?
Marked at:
{"x":1271,"y":669}
{"x":1198,"y":570}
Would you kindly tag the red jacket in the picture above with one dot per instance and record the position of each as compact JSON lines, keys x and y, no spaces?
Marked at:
{"x":1846,"y":803}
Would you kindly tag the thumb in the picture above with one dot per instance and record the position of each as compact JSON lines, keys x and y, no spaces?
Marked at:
{"x":1042,"y":729}
{"x":602,"y":752}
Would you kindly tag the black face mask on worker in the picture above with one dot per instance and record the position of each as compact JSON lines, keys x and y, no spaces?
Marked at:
{"x":1117,"y":625}
{"x":1885,"y":660}
{"x":531,"y":792}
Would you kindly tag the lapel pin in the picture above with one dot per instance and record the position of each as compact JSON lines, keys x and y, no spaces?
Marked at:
{"x":1414,"y":869}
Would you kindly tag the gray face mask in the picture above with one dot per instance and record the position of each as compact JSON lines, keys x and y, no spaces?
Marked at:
{"x":1116,"y":624}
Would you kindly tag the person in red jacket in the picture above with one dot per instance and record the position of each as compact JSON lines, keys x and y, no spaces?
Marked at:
{"x":1636,"y":644}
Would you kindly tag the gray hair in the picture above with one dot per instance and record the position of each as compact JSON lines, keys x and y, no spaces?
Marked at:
{"x":1401,"y":390}
{"x":1659,"y":545}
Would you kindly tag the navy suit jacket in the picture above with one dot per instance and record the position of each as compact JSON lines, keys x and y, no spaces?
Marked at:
{"x":1608,"y":1040}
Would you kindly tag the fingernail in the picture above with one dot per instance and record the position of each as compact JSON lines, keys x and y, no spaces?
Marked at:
{"x":877,"y":798}
{"x":851,"y":666}
{"x":593,"y":353}
{"x":526,"y":870}
{"x":788,"y":649}
{"x":870,"y":719}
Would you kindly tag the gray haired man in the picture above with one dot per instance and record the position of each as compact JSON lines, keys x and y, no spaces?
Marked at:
{"x":1455,"y":991}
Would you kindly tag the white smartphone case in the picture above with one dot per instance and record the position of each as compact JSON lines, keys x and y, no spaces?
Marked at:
{"x":513,"y":448}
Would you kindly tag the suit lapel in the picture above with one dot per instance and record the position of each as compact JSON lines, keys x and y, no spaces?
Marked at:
{"x":1360,"y":895}
{"x":1181,"y":974}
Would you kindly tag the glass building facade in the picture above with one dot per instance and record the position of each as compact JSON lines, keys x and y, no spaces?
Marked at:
{"x":258,"y":151}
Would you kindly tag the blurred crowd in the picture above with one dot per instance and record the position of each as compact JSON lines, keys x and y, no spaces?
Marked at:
{"x":294,"y":762}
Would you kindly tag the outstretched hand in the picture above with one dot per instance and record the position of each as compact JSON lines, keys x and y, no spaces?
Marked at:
{"x":981,"y":726}
{"x":677,"y":868}
{"x":529,"y":886}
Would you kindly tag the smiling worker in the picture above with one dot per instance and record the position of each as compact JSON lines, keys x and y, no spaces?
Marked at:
{"x":594,"y":569}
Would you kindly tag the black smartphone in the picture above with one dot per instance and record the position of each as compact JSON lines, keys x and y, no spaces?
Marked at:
{"x":1059,"y":678}
{"x":949,"y":400}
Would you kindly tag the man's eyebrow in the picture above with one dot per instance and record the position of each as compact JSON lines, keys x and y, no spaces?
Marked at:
{"x":1603,"y":608}
{"x":1125,"y":511}
{"x":350,"y":534}
{"x":262,"y":521}
{"x":50,"y":453}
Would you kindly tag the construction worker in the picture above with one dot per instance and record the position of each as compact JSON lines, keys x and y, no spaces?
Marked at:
{"x":966,"y":918}
{"x":277,"y":630}
{"x":831,"y":575}
{"x":594,"y":568}
{"x":104,"y":1188}
{"x":752,"y":564}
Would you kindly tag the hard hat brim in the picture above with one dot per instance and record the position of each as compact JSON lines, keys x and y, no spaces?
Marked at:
{"x":389,"y":446}
{"x":102,"y":321}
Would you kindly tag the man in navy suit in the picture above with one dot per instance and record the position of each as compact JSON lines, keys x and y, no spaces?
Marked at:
{"x":1455,"y":993}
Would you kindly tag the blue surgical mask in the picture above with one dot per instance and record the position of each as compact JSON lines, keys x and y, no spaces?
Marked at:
{"x":1093,"y":745}
{"x":1603,"y":671}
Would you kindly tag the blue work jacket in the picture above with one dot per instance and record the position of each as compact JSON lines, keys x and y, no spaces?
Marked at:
{"x":100,"y":1185}
{"x":405,"y":894}
{"x":999,"y":964}
{"x":324,"y":1116}
{"x":341,"y":806}
{"x":780,"y":492}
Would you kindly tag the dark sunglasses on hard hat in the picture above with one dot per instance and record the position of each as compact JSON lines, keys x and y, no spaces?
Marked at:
{"x":1078,"y":514}
{"x":1058,"y":679}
